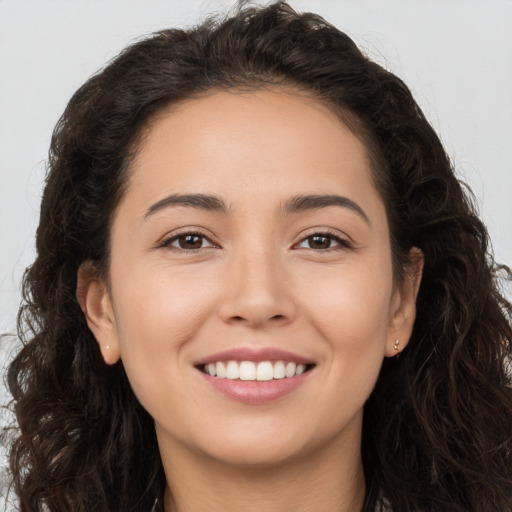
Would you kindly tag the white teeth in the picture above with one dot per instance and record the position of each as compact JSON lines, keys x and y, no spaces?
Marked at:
{"x":300,"y":369}
{"x":279,"y":370}
{"x":232,"y":370}
{"x":248,"y":370}
{"x":265,"y":371}
{"x":221,"y":370}
{"x":290,"y":370}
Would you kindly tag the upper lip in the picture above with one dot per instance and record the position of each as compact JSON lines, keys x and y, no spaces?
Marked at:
{"x":254,"y":355}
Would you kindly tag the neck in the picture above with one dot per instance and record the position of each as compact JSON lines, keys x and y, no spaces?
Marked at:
{"x":329,"y":479}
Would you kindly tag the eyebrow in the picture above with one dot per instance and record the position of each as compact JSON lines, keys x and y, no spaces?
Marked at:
{"x":315,"y":202}
{"x":201,"y":201}
{"x":296,"y":204}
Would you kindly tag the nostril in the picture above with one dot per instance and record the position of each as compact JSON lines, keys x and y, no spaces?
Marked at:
{"x":239,"y":318}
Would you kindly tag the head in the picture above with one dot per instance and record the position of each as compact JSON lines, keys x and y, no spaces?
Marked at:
{"x":260,"y":59}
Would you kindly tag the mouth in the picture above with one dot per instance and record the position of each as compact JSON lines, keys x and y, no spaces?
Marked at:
{"x":262,"y":371}
{"x":255,"y":376}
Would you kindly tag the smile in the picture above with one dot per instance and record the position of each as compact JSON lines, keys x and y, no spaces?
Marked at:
{"x":255,"y":375}
{"x":254,"y":371}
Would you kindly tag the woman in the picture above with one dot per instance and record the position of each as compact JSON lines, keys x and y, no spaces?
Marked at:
{"x":243,"y":226}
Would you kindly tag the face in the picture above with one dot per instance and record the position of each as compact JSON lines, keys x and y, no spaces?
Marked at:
{"x":251,"y":295}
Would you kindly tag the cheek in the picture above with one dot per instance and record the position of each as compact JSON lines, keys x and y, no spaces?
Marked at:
{"x":158,"y":312}
{"x":159,"y":306}
{"x":351,"y":306}
{"x":350,"y":310}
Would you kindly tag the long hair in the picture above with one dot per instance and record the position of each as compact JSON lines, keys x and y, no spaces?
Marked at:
{"x":437,"y":432}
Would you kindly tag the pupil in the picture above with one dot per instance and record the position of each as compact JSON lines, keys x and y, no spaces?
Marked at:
{"x":190,"y":242}
{"x":319,"y":242}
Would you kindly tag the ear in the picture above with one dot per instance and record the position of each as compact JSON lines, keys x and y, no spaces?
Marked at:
{"x":94,"y":299}
{"x":403,"y":305}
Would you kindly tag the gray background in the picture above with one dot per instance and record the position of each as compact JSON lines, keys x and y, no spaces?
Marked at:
{"x":455,"y":55}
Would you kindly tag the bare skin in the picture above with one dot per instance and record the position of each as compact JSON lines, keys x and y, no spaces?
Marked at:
{"x":289,"y":251}
{"x":316,"y":482}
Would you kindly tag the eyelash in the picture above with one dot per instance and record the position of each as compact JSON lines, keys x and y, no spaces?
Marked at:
{"x":168,"y":241}
{"x":342,"y":242}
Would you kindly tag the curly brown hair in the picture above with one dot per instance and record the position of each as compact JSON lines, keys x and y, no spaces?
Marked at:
{"x":437,"y":433}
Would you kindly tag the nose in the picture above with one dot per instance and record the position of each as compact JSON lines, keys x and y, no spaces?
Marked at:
{"x":257,"y":292}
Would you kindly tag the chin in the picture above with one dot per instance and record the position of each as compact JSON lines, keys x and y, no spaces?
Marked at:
{"x":249,"y":456}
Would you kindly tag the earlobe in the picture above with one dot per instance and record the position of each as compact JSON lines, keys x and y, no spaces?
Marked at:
{"x":403,"y":310}
{"x":94,"y":299}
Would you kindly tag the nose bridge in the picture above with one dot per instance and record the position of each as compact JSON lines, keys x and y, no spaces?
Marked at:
{"x":255,"y":291}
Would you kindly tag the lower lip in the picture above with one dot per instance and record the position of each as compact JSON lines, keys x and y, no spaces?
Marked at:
{"x":254,"y":391}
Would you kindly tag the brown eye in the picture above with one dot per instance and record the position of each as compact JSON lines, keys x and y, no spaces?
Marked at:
{"x":188,"y":242}
{"x":319,"y":242}
{"x":323,"y":242}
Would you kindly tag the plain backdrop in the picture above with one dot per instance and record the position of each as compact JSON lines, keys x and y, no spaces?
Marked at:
{"x":456,"y":56}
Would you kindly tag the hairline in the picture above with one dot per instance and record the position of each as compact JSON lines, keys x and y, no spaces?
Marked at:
{"x":377,"y":164}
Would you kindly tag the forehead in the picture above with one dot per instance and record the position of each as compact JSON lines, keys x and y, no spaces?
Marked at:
{"x":231,"y":141}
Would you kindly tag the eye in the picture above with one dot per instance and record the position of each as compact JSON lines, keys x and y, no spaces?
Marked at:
{"x":322,"y":242}
{"x":188,"y":242}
